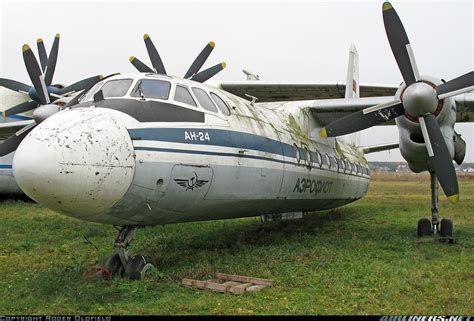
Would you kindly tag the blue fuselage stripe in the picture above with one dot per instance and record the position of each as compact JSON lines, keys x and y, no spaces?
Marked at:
{"x":5,"y":166}
{"x":217,"y":137}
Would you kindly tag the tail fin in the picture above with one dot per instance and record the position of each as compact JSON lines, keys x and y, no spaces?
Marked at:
{"x":352,"y":87}
{"x":352,"y":80}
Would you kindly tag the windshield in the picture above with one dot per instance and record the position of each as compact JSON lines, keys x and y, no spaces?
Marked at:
{"x":116,"y":88}
{"x":91,"y":92}
{"x":152,"y":88}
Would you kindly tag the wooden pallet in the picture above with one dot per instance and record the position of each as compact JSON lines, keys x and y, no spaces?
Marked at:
{"x":236,"y":284}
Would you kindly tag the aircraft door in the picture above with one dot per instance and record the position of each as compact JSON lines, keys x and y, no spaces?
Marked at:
{"x":188,"y":185}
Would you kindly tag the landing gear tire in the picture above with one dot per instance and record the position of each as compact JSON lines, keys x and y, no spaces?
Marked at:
{"x":424,"y":227}
{"x":138,"y":266}
{"x":114,"y":265}
{"x":446,"y":229}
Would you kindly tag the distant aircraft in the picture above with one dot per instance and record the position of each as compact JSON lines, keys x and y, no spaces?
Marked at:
{"x":149,"y":148}
{"x":19,"y":101}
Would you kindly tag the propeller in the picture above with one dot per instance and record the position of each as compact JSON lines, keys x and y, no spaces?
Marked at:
{"x":41,"y":76}
{"x":193,"y":71}
{"x":11,"y":143}
{"x":44,"y":108}
{"x":419,"y":100}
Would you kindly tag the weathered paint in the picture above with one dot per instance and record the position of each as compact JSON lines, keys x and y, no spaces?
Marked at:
{"x":245,"y":164}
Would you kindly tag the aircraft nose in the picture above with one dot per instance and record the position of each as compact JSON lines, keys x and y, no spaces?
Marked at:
{"x":78,"y":162}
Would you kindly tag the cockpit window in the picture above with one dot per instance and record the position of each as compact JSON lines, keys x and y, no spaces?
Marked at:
{"x":116,"y":88}
{"x":91,"y":92}
{"x":221,"y":104}
{"x":183,"y":95}
{"x":204,"y":99}
{"x":152,"y":88}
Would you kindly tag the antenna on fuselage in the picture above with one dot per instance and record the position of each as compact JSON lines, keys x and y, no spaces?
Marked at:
{"x":250,"y":75}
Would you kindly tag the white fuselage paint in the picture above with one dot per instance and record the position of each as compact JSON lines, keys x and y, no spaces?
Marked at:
{"x":124,"y":172}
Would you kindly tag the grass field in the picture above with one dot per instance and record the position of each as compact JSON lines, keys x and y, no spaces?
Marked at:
{"x":359,"y":259}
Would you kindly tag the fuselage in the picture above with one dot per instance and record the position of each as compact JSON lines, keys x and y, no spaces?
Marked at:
{"x":182,"y":151}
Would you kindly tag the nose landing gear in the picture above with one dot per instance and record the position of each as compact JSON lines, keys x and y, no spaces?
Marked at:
{"x":121,"y":264}
{"x":443,"y":231}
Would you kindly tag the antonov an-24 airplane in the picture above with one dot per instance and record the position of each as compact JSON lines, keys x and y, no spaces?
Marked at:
{"x":148,"y":148}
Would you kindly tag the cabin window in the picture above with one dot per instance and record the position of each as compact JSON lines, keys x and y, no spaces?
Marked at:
{"x":307,"y":157}
{"x":152,"y":88}
{"x":325,"y":160}
{"x":303,"y":155}
{"x":116,"y":88}
{"x":341,"y":165}
{"x":332,"y":161}
{"x":204,"y":99}
{"x":316,"y":158}
{"x":183,"y":95}
{"x":348,"y":166}
{"x":298,"y":156}
{"x":221,"y":104}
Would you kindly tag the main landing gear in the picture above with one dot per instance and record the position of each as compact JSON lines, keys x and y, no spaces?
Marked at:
{"x":122,"y":264}
{"x":442,"y":230}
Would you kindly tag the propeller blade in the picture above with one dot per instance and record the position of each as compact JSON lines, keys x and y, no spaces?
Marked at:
{"x":21,"y":108}
{"x":35,"y":74}
{"x":14,"y":85}
{"x":439,"y":156}
{"x":154,"y":56}
{"x":401,"y":48}
{"x":12,"y":142}
{"x":208,"y":73}
{"x":363,"y":119}
{"x":456,"y":86}
{"x":81,"y":85}
{"x":53,"y":57}
{"x":141,"y":67}
{"x":200,"y":60}
{"x":43,"y":56}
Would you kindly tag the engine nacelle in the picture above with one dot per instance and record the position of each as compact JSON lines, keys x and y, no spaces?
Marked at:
{"x":412,"y":143}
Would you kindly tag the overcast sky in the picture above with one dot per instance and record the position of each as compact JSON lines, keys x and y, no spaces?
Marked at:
{"x":284,"y":41}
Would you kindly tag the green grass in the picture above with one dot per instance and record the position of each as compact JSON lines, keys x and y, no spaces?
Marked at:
{"x":360,"y":259}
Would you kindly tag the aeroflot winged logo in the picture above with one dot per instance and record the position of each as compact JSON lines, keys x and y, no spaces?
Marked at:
{"x":192,"y":183}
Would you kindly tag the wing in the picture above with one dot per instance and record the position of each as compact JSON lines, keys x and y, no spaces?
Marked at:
{"x":274,"y":91}
{"x":326,"y":100}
